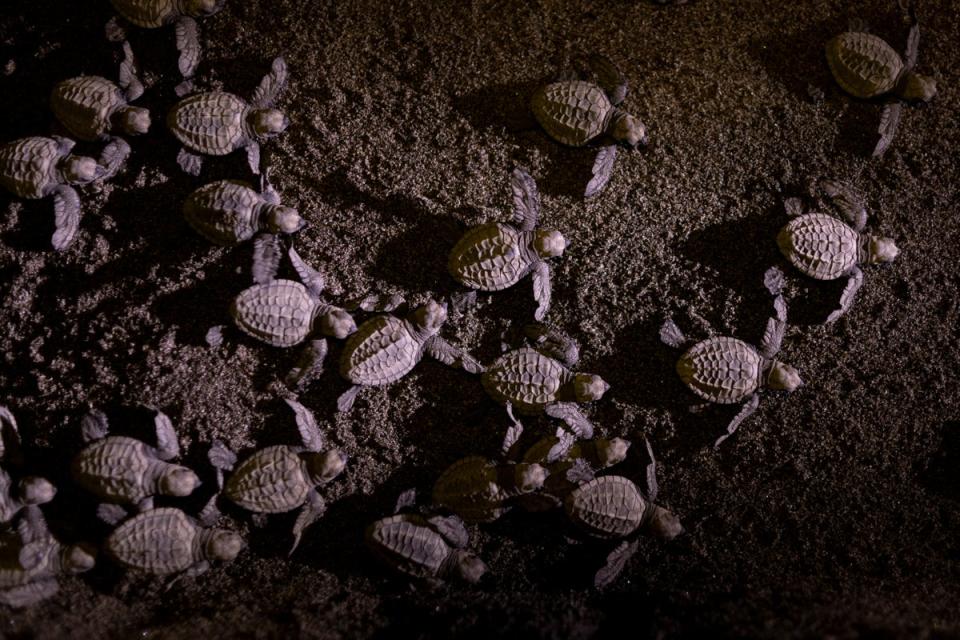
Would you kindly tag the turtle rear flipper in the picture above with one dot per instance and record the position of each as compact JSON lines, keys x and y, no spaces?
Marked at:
{"x":188,"y":44}
{"x":66,"y":208}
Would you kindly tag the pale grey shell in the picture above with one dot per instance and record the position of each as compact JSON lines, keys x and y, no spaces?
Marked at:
{"x":723,"y":370}
{"x":491,"y":257}
{"x":526,"y":378}
{"x":279,"y":313}
{"x":225,"y":212}
{"x":159,"y":541}
{"x":572,"y":112}
{"x":147,"y":13}
{"x":213,"y":123}
{"x":820,"y":245}
{"x":863,"y":64}
{"x":606,"y":507}
{"x":381,"y":351}
{"x":407,"y":543}
{"x":29,"y":165}
{"x":469,"y":488}
{"x":85,"y":105}
{"x":272,"y":480}
{"x":116,"y":469}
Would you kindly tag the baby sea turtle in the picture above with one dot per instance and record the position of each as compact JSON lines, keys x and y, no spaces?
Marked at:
{"x":574,"y":112}
{"x":282,"y":478}
{"x":824,"y":248}
{"x":727,"y":370}
{"x":150,"y":14}
{"x":217,"y":123}
{"x":123,"y":470}
{"x":167,"y":541}
{"x":612,"y":507}
{"x":229,"y":212}
{"x":386,"y":348}
{"x":31,"y":490}
{"x":94,"y":108}
{"x":478,"y":489}
{"x":425,"y":548}
{"x":534,"y":381}
{"x":497,"y":255}
{"x":865,"y":66}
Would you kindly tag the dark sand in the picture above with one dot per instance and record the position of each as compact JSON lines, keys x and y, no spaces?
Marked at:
{"x":833,"y":511}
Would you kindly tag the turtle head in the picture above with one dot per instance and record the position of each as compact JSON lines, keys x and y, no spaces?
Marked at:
{"x":588,"y":387}
{"x":269,"y":123}
{"x":224,"y":545}
{"x":79,"y":169}
{"x":882,"y":250}
{"x":337,"y":323}
{"x":282,"y":219}
{"x":78,"y":558}
{"x":665,"y":524}
{"x":178,"y":481}
{"x":784,"y":377}
{"x":134,"y":120}
{"x":430,"y":317}
{"x":549,"y":243}
{"x":628,"y":129}
{"x":324,"y":467}
{"x":35,"y":490}
{"x":468,"y":566}
{"x":201,"y":8}
{"x":529,"y":477}
{"x":611,"y":452}
{"x":918,"y":87}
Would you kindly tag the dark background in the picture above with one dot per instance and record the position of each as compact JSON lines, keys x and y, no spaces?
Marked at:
{"x":832,"y":511}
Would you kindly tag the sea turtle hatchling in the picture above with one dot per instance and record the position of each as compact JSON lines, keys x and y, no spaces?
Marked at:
{"x":497,"y":255}
{"x":865,"y":66}
{"x":217,"y":123}
{"x":282,"y":478}
{"x":539,"y":380}
{"x":478,"y":489}
{"x":94,"y":108}
{"x":167,"y":541}
{"x":122,"y":470}
{"x":31,"y":490}
{"x":385,"y":348}
{"x":424,"y":548}
{"x":574,"y":112}
{"x":726,"y":370}
{"x":824,"y":248}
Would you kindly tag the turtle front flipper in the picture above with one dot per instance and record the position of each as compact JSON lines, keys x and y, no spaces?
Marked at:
{"x":602,"y":170}
{"x":848,"y":201}
{"x":310,"y":435}
{"x":29,"y":594}
{"x":616,"y":561}
{"x":253,"y":157}
{"x":271,"y":85}
{"x":222,"y":459}
{"x":188,"y":44}
{"x":913,"y":40}
{"x":266,"y":258}
{"x":314,"y":508}
{"x":610,"y":78}
{"x":347,"y":398}
{"x":541,"y":290}
{"x":191,"y":163}
{"x":889,"y":120}
{"x":554,"y":343}
{"x":66,"y":208}
{"x":526,"y":200}
{"x":309,"y":366}
{"x":671,"y":335}
{"x":512,"y":436}
{"x":439,"y":349}
{"x":9,"y":436}
{"x":168,"y":446}
{"x":745,"y":412}
{"x":114,"y":30}
{"x":94,"y":426}
{"x":312,"y":279}
{"x":848,"y":295}
{"x":111,"y":514}
{"x":112,"y":158}
{"x":129,"y":82}
{"x":572,"y":416}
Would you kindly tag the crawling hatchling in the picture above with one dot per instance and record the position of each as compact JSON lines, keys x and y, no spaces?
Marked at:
{"x":613,"y":507}
{"x":216,"y":123}
{"x":865,"y":66}
{"x":167,"y":541}
{"x":125,"y":471}
{"x":497,"y":255}
{"x":30,"y":490}
{"x":425,"y":548}
{"x":575,"y":112}
{"x":282,"y":478}
{"x":386,"y":348}
{"x":825,"y":248}
{"x":479,"y":490}
{"x":539,"y":380}
{"x":726,"y":370}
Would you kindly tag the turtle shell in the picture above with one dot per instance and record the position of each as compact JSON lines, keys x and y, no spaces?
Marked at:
{"x":85,"y":105}
{"x":606,"y":507}
{"x":280,"y":312}
{"x":526,"y":378}
{"x":159,"y":541}
{"x":408,"y":544}
{"x":820,"y":245}
{"x":863,"y":64}
{"x":491,"y":257}
{"x":29,"y":165}
{"x":116,"y":469}
{"x":224,"y":212}
{"x":272,"y":480}
{"x":213,"y":123}
{"x":572,"y":112}
{"x":723,"y":370}
{"x":147,"y":13}
{"x":469,"y":488}
{"x":383,"y":350}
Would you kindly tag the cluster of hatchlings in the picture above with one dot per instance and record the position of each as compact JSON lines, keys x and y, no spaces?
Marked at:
{"x":428,"y":541}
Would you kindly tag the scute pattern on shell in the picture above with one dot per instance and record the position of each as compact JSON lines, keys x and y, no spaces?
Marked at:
{"x":380,"y":352}
{"x":408,"y":544}
{"x":526,"y":378}
{"x":820,"y":245}
{"x":213,"y":123}
{"x":224,"y":212}
{"x":28,"y":165}
{"x":280,"y":313}
{"x":84,"y":105}
{"x":572,"y":112}
{"x":490,"y":257}
{"x":469,"y":488}
{"x":863,"y":64}
{"x":272,"y":480}
{"x":159,"y":541}
{"x":147,"y":13}
{"x":607,"y":507}
{"x":115,"y":469}
{"x":722,"y":369}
